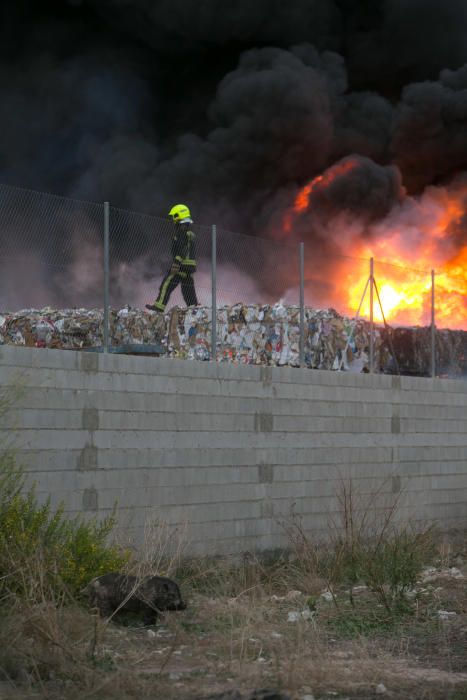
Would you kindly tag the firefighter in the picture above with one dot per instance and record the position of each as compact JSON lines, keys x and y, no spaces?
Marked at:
{"x":183,"y":261}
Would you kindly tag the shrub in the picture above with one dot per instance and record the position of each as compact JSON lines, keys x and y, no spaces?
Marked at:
{"x":370,"y":546}
{"x":389,"y":566}
{"x":366,"y":546}
{"x":70,"y":551}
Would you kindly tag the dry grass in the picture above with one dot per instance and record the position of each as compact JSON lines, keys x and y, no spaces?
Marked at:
{"x":236,"y":634}
{"x":161,"y":550}
{"x":251,"y":622}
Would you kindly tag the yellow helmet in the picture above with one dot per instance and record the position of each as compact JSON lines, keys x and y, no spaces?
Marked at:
{"x":179,"y":212}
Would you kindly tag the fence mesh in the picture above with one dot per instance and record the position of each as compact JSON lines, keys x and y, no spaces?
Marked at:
{"x":51,"y":251}
{"x":51,"y":256}
{"x":334,"y":281}
{"x":402,"y":299}
{"x":52,"y":294}
{"x":451,"y":312}
{"x":257,"y":298}
{"x":252,"y":270}
{"x":404,"y":293}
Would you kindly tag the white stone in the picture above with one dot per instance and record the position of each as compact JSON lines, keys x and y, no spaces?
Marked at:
{"x":446,"y":614}
{"x":296,"y":615}
{"x":455,"y":573}
{"x":428,"y":573}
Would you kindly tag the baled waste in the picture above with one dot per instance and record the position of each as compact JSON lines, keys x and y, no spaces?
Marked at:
{"x":250,"y":334}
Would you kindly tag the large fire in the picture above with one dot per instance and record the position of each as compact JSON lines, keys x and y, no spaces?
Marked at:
{"x":419,"y":235}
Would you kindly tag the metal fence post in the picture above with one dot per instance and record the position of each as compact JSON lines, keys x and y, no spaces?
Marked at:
{"x":106,"y":274}
{"x":214,"y":294}
{"x":372,"y":325}
{"x":302,"y":305}
{"x":433,"y":327}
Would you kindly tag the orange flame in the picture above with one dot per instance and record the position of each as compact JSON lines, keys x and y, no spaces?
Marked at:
{"x":302,"y":200}
{"x":413,"y":240}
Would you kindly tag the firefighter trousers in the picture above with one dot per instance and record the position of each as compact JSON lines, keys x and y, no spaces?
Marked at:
{"x":171,"y":282}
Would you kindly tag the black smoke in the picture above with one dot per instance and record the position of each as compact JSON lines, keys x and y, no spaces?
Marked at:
{"x":355,"y":188}
{"x":232,"y":107}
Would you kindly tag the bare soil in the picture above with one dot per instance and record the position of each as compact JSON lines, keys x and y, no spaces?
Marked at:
{"x":247,"y":636}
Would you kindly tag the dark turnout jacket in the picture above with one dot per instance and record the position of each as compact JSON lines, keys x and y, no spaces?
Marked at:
{"x":183,"y":248}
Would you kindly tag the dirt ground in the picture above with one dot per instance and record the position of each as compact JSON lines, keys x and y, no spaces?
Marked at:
{"x":257,"y":631}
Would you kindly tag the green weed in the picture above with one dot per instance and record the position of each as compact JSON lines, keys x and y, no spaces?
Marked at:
{"x":35,"y":537}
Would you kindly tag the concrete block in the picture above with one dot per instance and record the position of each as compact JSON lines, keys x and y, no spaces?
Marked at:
{"x":332,"y":424}
{"x":138,"y":420}
{"x":202,"y":512}
{"x":90,"y":499}
{"x":88,"y":458}
{"x":71,"y":501}
{"x":446,"y":467}
{"x":18,"y":356}
{"x":331,"y":393}
{"x":267,"y":509}
{"x":437,"y":425}
{"x":13,"y":376}
{"x":443,"y":481}
{"x":265,"y":473}
{"x":178,"y":457}
{"x":202,"y":476}
{"x":194,"y":494}
{"x":421,"y":454}
{"x":90,"y":419}
{"x":43,"y":439}
{"x":21,"y":418}
{"x":50,"y":398}
{"x":128,"y":364}
{"x":440,"y":398}
{"x":223,"y":387}
{"x":35,"y":461}
{"x":54,"y":481}
{"x":264,"y":422}
{"x":298,"y":376}
{"x":448,"y":496}
{"x":89,"y":362}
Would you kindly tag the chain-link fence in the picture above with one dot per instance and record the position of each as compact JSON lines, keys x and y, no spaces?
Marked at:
{"x":450,"y":304}
{"x":257,"y":297}
{"x":51,"y":255}
{"x":79,"y":275}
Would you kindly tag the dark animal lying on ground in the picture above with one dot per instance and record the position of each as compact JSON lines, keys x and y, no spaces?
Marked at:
{"x":148,"y":595}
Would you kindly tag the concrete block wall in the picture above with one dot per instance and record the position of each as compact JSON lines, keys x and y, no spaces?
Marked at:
{"x":232,"y":451}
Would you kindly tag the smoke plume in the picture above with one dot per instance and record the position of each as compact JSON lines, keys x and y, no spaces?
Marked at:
{"x":236,"y":111}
